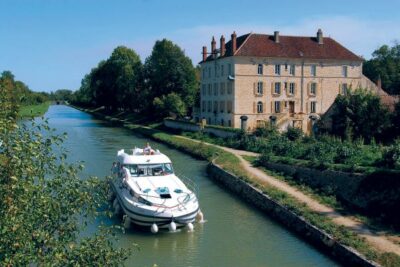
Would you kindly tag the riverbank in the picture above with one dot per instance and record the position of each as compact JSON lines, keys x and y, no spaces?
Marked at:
{"x":230,"y":163}
{"x":34,"y":110}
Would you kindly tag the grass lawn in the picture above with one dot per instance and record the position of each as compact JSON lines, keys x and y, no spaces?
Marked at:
{"x":34,"y":110}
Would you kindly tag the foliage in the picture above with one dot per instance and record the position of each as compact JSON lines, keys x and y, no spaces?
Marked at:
{"x":360,"y":114}
{"x":168,"y":70}
{"x":62,"y":95}
{"x":385,"y":64}
{"x":391,"y":156}
{"x":44,"y":204}
{"x":293,"y":133}
{"x":266,"y":130}
{"x":34,"y":110}
{"x":171,"y":103}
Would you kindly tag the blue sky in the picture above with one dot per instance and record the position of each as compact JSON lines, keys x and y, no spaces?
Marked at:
{"x":53,"y":44}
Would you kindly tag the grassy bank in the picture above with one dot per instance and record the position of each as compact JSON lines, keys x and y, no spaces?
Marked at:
{"x":231,"y":163}
{"x":34,"y":110}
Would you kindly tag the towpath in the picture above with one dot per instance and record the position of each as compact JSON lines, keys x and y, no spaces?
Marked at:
{"x":381,"y":240}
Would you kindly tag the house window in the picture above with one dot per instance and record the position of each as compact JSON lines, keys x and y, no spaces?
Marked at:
{"x":215,"y":89}
{"x":277,"y":106}
{"x":292,"y":70}
{"x":229,"y":69}
{"x":204,"y":73}
{"x":209,"y":72}
{"x":229,"y":88}
{"x":229,"y":107}
{"x":222,"y":88}
{"x":203,"y":89}
{"x":313,"y":89}
{"x":222,"y":122}
{"x":260,"y":69}
{"x":277,"y":88}
{"x":313,"y":107}
{"x":278,"y":69}
{"x":209,"y":106}
{"x":209,"y":90}
{"x":344,"y":89}
{"x":215,"y":71}
{"x":313,"y":70}
{"x":344,"y":71}
{"x":260,"y":88}
{"x":203,"y":106}
{"x":291,"y":88}
{"x":222,"y":106}
{"x":259,"y":107}
{"x":215,"y":109}
{"x":209,"y":120}
{"x":222,"y":70}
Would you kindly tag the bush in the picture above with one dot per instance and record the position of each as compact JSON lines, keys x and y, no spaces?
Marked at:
{"x":294,"y":133}
{"x":391,"y":156}
{"x":266,"y":131}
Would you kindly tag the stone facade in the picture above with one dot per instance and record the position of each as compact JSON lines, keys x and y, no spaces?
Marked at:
{"x":281,"y":90}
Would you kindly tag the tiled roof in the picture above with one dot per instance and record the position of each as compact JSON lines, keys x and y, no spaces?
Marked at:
{"x":262,"y":45}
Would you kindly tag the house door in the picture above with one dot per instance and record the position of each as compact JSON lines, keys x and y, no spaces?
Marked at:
{"x":291,"y":107}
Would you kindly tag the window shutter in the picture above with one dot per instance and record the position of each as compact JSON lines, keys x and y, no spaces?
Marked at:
{"x":307,"y":108}
{"x":308,"y":89}
{"x":340,"y":88}
{"x":255,"y":88}
{"x":272,"y":106}
{"x":254,"y":107}
{"x":272,"y":88}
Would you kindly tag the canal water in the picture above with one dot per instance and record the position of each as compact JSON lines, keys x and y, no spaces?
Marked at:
{"x":235,"y":234}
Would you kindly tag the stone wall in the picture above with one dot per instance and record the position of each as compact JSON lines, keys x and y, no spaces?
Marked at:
{"x":192,"y":127}
{"x":319,"y":238}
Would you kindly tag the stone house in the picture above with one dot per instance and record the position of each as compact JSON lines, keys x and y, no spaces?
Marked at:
{"x":286,"y":80}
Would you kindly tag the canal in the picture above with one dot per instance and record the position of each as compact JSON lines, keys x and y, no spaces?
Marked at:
{"x":235,"y":234}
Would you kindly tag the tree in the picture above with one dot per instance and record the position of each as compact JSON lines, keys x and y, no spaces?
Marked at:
{"x":360,"y":114}
{"x":44,"y":204}
{"x":169,"y":104}
{"x":385,"y":64}
{"x":168,"y":70}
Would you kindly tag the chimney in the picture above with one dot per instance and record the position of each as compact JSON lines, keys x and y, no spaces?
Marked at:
{"x":320,"y":37}
{"x":233,"y":41}
{"x":276,"y":36}
{"x":222,"y":45}
{"x":213,"y":46}
{"x":204,"y":53}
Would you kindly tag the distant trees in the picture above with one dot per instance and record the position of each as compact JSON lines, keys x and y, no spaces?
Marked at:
{"x":166,"y":82}
{"x":62,"y":95}
{"x":385,"y":63}
{"x":21,"y":94}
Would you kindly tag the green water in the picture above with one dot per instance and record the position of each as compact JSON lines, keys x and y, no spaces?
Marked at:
{"x":235,"y":234}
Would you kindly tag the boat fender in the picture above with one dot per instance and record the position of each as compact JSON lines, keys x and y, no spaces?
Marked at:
{"x":200,"y":216}
{"x":172,"y":226}
{"x":127,"y":221}
{"x":190,"y":227}
{"x":154,"y":228}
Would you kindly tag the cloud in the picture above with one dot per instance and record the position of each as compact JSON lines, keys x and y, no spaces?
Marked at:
{"x":360,"y":36}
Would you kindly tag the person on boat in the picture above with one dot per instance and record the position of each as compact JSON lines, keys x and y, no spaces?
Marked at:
{"x":114,"y":168}
{"x":147,"y":149}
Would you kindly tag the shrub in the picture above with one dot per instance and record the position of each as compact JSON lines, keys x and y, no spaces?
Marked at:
{"x":391,"y":156}
{"x":294,"y":133}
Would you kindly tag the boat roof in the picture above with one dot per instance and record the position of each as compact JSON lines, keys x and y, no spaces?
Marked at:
{"x":138,"y":157}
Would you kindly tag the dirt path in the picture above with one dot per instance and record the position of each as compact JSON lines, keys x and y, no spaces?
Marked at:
{"x":380,"y":241}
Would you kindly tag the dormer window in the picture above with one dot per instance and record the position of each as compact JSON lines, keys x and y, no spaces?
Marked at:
{"x":260,"y":69}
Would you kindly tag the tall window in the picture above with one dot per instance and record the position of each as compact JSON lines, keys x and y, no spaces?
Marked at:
{"x":260,"y":69}
{"x":313,"y":107}
{"x":292,"y":70}
{"x":277,"y":88}
{"x":277,"y":105}
{"x":260,"y":107}
{"x":229,"y":107}
{"x":209,"y":106}
{"x":222,"y":70}
{"x":209,"y":89}
{"x":344,"y":71}
{"x":215,"y":71}
{"x":278,"y":69}
{"x":229,"y":69}
{"x":222,"y":106}
{"x":209,"y":72}
{"x":313,"y":70}
{"x":291,"y":88}
{"x":215,"y":88}
{"x":260,"y":88}
{"x":313,"y":88}
{"x":204,"y":73}
{"x":229,"y":88}
{"x":222,"y":88}
{"x":215,"y":109}
{"x":203,"y":89}
{"x":203,"y":106}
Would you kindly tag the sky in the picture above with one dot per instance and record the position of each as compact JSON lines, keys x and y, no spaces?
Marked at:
{"x":52,"y":44}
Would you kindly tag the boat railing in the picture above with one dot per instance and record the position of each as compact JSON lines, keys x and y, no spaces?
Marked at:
{"x":190,"y":184}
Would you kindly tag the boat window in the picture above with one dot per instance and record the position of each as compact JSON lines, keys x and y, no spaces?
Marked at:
{"x":133,"y":169}
{"x":153,"y":169}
